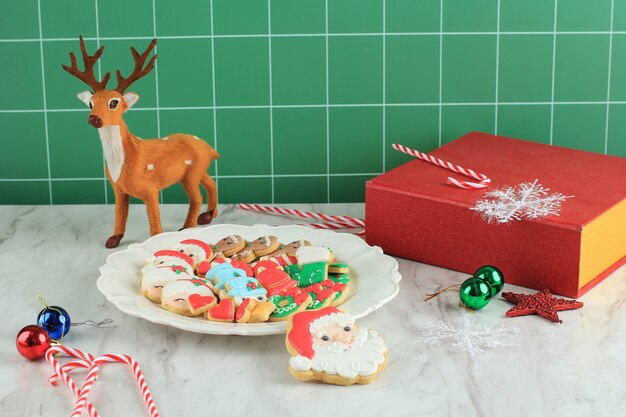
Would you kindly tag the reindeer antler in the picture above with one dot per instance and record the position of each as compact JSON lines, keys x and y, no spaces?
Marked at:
{"x":87,"y":76}
{"x":139,"y":70}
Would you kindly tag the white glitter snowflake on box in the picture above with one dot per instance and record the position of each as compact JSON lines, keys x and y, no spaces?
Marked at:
{"x":467,"y":335}
{"x":527,"y":200}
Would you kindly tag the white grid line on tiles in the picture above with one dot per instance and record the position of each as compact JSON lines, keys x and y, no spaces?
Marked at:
{"x":269,"y":62}
{"x":213,"y":91}
{"x":384,"y":86}
{"x":45,"y":104}
{"x":320,"y":35}
{"x":346,"y":174}
{"x":327,"y":104}
{"x":440,"y":71}
{"x":495,"y":116}
{"x":156,"y":83}
{"x":104,"y":183}
{"x":556,"y":8}
{"x":305,"y":106}
{"x":608,"y":82}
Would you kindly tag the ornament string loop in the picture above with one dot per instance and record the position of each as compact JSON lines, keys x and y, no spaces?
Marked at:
{"x":441,"y":291}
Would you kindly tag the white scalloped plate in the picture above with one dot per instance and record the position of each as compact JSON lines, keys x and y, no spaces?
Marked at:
{"x":375,"y":274}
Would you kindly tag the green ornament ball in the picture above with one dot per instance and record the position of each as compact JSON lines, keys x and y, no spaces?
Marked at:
{"x":475,"y":293}
{"x":492,"y":276}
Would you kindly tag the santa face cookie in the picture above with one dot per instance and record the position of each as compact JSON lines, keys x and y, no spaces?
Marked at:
{"x":163,"y":256}
{"x":196,"y":249}
{"x":328,"y":346}
{"x":153,"y":281}
{"x":189,"y":297}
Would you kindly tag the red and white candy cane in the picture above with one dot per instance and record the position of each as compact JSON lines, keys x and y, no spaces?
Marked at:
{"x":484,"y":181}
{"x":86,"y":360}
{"x":347,"y":220}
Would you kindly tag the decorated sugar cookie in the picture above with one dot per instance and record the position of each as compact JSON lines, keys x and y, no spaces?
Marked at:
{"x":162,"y":268}
{"x":197,"y":250}
{"x":153,"y":281}
{"x":262,"y":311}
{"x":264,"y":245}
{"x":243,"y":288}
{"x":313,"y":254}
{"x":290,"y":248}
{"x":328,"y":346}
{"x":224,"y":311}
{"x":308,"y":274}
{"x":168,"y":255}
{"x":289,"y":303}
{"x":176,"y":297}
{"x":229,"y":245}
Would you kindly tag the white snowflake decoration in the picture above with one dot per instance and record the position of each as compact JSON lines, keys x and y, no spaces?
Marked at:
{"x":528,"y":200}
{"x":467,"y":335}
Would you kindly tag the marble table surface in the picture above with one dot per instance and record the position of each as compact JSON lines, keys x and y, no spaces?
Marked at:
{"x":573,"y":369}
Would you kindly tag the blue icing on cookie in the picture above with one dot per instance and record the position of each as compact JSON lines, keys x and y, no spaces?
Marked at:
{"x":226,"y":275}
{"x":219,"y":267}
{"x":245,"y":287}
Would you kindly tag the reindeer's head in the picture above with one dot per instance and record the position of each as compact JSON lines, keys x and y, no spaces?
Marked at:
{"x":108,"y":106}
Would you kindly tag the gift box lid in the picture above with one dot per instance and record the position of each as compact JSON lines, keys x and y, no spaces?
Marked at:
{"x":596,"y":182}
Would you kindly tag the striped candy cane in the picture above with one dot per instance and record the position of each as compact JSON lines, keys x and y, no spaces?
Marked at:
{"x":352,"y":221}
{"x":88,"y":361}
{"x":484,"y":181}
{"x":60,"y":371}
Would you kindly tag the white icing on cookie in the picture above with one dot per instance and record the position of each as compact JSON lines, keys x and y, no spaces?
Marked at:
{"x":312,"y":254}
{"x":300,"y":363}
{"x":175,"y":294}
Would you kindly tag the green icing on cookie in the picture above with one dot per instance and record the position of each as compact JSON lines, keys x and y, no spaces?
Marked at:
{"x":309,"y":274}
{"x":283,"y":308}
{"x":339,"y":278}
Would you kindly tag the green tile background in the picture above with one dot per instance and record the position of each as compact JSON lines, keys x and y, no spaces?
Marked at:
{"x":303,"y":103}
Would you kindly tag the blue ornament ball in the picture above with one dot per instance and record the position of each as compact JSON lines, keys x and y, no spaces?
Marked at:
{"x":55,"y":320}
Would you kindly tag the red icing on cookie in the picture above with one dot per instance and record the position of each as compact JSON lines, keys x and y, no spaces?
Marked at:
{"x":224,"y":311}
{"x":242,"y":265}
{"x":197,"y":301}
{"x":262,"y":265}
{"x":299,"y":336}
{"x":203,"y":268}
{"x":338,"y":287}
{"x":313,"y":288}
{"x":241,"y":310}
{"x":275,"y":280}
{"x":175,"y":254}
{"x":324,"y":294}
{"x":301,"y":298}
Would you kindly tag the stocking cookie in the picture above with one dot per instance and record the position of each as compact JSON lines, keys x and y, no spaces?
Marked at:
{"x":328,"y":346}
{"x":313,"y":254}
{"x":308,"y":274}
{"x":175,"y":296}
{"x":262,"y":311}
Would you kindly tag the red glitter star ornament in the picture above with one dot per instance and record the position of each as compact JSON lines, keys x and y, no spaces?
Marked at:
{"x":541,"y":303}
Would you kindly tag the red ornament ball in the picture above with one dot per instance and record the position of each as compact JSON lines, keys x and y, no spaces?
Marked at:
{"x":32,"y":342}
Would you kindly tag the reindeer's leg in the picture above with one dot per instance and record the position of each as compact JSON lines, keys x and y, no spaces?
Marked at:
{"x":122,"y":200}
{"x":192,"y":188}
{"x":154,"y":215}
{"x":211,"y":196}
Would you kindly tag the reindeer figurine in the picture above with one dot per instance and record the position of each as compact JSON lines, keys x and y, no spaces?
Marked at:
{"x":142,"y":168}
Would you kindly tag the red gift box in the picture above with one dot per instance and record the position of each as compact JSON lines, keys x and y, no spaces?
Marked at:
{"x":411,"y":212}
